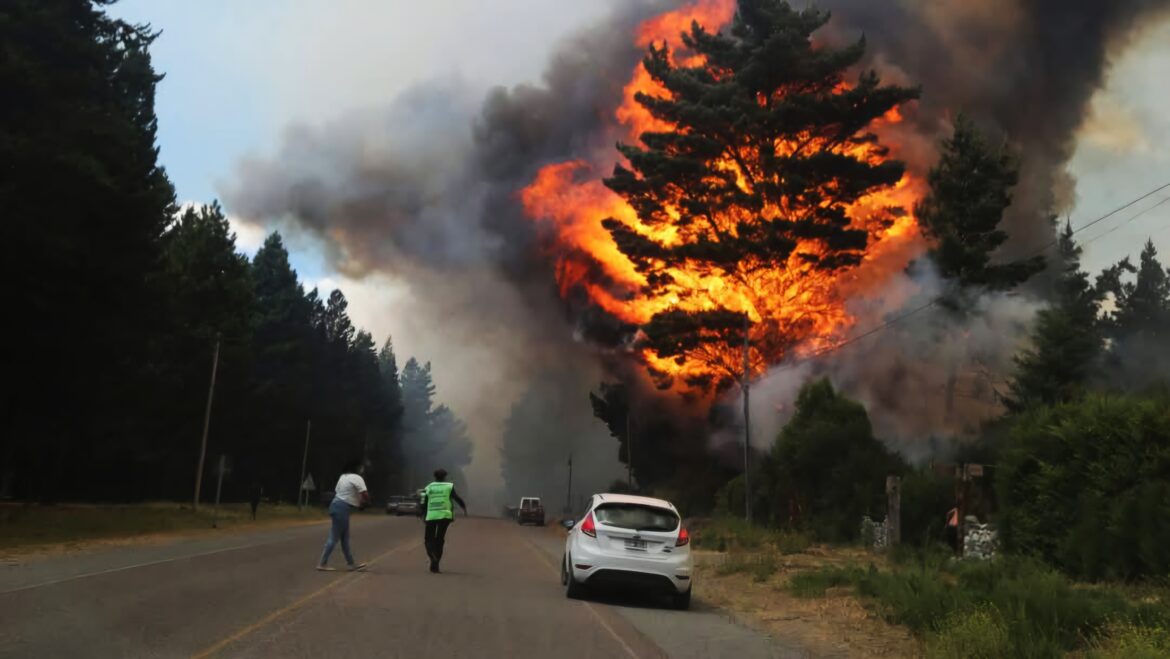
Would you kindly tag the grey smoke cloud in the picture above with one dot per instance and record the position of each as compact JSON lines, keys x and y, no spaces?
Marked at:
{"x":423,"y":193}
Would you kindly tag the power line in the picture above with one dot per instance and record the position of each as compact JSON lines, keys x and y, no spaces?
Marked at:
{"x":1106,"y":216}
{"x":919,"y":309}
{"x":1131,"y":219}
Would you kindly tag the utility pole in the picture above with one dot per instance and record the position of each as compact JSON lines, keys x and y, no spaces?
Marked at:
{"x":206,"y":423}
{"x":218,"y":487}
{"x":629,"y":450}
{"x":747,"y":419}
{"x":304,"y":463}
{"x":569,"y":494}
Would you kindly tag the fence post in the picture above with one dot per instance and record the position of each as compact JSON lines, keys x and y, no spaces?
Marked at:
{"x":893,"y":510}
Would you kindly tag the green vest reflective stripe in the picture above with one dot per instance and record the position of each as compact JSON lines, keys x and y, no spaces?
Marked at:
{"x":439,"y":501}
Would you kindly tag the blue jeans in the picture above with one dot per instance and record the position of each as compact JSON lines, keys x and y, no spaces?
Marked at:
{"x":339,"y":513}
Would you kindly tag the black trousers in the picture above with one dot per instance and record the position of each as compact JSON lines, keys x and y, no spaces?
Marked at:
{"x":434,"y":536}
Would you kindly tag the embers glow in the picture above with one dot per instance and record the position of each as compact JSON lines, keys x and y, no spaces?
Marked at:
{"x":794,"y":309}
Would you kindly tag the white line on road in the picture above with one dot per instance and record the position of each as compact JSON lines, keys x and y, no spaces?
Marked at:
{"x":604,"y":624}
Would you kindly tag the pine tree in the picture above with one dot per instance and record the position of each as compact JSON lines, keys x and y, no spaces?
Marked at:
{"x":1066,"y":341}
{"x":970,"y":188}
{"x":752,"y":185}
{"x":391,"y":393}
{"x":85,"y":202}
{"x":1139,"y":326}
{"x":418,"y":395}
{"x":209,"y":295}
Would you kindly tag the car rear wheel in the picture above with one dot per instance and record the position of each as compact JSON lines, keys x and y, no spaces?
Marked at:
{"x":681,"y":601}
{"x":574,"y":589}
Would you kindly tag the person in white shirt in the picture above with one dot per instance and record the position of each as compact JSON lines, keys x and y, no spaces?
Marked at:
{"x":350,"y":493}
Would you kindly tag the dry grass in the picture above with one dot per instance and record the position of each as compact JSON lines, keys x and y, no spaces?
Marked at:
{"x":29,"y":529}
{"x":835,"y":625}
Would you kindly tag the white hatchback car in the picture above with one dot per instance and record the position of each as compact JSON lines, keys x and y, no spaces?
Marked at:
{"x":631,"y":541}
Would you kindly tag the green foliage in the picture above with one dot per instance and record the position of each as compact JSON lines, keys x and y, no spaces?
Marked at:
{"x":826,"y":470}
{"x":770,"y":102}
{"x":433,"y":436}
{"x":1084,"y":485}
{"x":1130,"y":641}
{"x":970,"y":188}
{"x":1066,"y":340}
{"x":1139,"y":322}
{"x":926,"y":496}
{"x":729,"y":533}
{"x":85,"y":204}
{"x":815,"y":583}
{"x":1042,"y":613}
{"x":977,"y":634}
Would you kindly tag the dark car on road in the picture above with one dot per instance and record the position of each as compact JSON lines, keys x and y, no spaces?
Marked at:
{"x":402,"y":505}
{"x":531,"y":511}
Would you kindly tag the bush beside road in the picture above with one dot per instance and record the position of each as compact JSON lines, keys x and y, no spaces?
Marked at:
{"x":845,"y":600}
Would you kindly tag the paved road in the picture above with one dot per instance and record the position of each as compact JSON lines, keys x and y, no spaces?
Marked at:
{"x":256,"y":595}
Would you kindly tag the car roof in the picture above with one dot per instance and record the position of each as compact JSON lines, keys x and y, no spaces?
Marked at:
{"x":527,"y":498}
{"x":631,"y":498}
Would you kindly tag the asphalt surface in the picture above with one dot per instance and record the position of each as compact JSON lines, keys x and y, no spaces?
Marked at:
{"x":257,"y":595}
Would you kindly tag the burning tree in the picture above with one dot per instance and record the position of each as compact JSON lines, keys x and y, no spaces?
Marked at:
{"x":752,"y":189}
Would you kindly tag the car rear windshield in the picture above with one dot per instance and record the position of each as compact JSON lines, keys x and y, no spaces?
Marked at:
{"x":530,"y":503}
{"x":636,"y":516}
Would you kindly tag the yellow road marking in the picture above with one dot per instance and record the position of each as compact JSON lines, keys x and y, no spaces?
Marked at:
{"x":605,"y":625}
{"x":296,"y":605}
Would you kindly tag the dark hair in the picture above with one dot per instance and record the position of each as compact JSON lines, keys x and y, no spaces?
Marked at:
{"x":440,"y":474}
{"x":352,"y":467}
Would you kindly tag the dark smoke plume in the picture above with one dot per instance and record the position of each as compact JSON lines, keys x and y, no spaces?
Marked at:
{"x":425,"y":192}
{"x":1026,"y":68}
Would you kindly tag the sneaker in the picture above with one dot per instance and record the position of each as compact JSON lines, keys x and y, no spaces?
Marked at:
{"x":359,"y":566}
{"x":326,"y":568}
{"x":434,"y":567}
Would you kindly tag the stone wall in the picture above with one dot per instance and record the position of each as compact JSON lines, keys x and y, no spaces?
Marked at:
{"x":980,"y":541}
{"x":874,"y":535}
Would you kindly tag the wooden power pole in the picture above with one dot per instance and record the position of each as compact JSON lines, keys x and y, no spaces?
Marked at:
{"x":206,"y":423}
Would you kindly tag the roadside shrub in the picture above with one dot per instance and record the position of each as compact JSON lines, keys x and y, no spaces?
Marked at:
{"x":1086,"y":486}
{"x":1130,"y":641}
{"x":1043,"y":612}
{"x":725,"y":533}
{"x":826,"y":470}
{"x":791,"y":542}
{"x":815,"y":583}
{"x":977,"y":634}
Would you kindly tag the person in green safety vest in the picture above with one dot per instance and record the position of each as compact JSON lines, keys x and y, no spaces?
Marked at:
{"x":437,"y":512}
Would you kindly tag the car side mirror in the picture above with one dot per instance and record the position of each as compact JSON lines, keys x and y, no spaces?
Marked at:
{"x":568,"y":523}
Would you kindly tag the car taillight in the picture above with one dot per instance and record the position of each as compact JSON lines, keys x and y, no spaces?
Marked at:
{"x":683,"y":537}
{"x":587,"y":526}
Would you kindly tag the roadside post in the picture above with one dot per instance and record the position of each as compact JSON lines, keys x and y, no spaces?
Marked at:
{"x":304,"y":461}
{"x":218,"y":488}
{"x":206,"y":424}
{"x":893,"y":511}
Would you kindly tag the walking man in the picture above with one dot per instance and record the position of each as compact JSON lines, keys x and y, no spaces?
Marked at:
{"x":438,"y":511}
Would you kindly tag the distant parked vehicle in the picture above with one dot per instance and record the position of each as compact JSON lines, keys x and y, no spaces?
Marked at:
{"x":531,"y":511}
{"x":630,"y":541}
{"x":403,"y":504}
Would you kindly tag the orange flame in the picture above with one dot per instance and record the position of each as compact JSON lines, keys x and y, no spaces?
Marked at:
{"x":569,"y":202}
